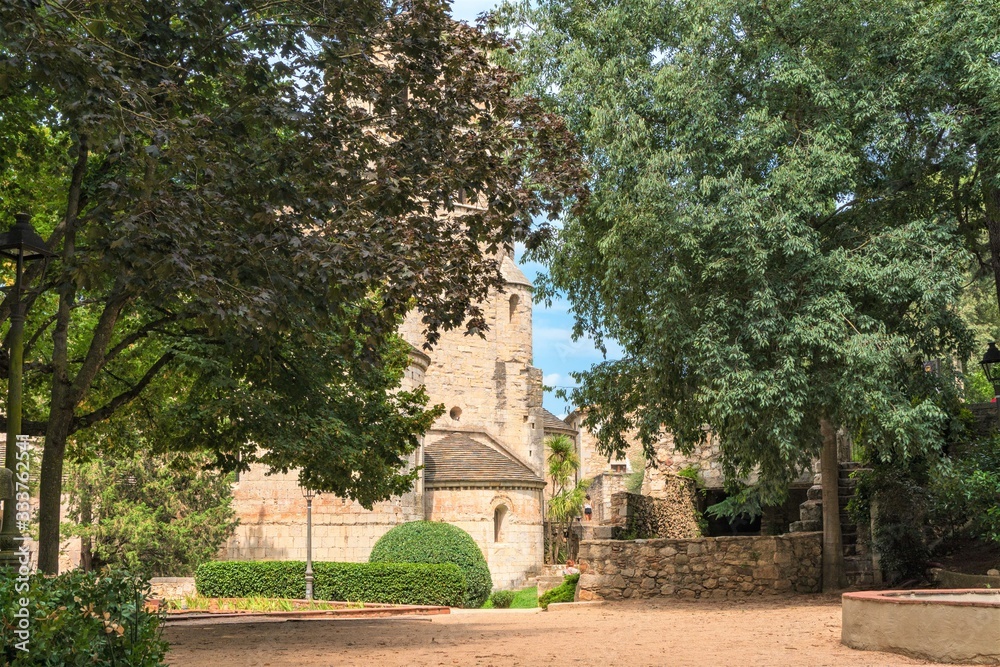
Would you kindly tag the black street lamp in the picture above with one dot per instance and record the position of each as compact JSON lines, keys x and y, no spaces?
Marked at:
{"x":991,"y":367}
{"x":309,"y":494}
{"x":21,"y":244}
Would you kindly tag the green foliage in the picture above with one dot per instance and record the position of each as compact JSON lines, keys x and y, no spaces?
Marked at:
{"x":526,"y":598}
{"x":159,"y":515}
{"x":764,"y":208}
{"x":564,"y":592}
{"x":965,"y":492}
{"x":633,"y":483}
{"x":394,"y":583}
{"x":230,"y":222}
{"x":502,"y":599}
{"x":435,"y":542}
{"x":567,"y":499}
{"x":893,"y":498}
{"x":82,"y":619}
{"x":692,"y":473}
{"x":977,"y":388}
{"x":745,"y":503}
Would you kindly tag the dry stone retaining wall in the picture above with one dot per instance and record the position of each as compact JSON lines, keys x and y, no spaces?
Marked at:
{"x":672,"y":515}
{"x":708,"y":567}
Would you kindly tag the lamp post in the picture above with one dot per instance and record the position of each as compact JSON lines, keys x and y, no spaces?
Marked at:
{"x":309,"y":494}
{"x":21,"y":244}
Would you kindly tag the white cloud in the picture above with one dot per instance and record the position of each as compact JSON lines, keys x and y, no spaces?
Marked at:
{"x":551,"y":380}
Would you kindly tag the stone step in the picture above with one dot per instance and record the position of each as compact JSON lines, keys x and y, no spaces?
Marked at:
{"x":811,"y":510}
{"x":855,"y":564}
{"x":815,"y":493}
{"x":805,"y":527}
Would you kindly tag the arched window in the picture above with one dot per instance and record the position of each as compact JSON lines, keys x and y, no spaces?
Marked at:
{"x":456,"y":413}
{"x":499,"y":514}
{"x":514,"y":300}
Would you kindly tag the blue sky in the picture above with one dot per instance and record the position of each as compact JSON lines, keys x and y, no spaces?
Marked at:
{"x":468,"y":10}
{"x":555,"y":351}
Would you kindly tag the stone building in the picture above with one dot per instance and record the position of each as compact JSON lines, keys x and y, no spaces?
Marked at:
{"x":483,"y":460}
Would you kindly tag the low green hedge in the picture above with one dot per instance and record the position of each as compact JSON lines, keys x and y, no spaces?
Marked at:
{"x":564,"y":592}
{"x":437,"y":542}
{"x":393,"y":583}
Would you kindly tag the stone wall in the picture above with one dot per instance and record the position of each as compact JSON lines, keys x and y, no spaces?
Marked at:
{"x":592,"y":461}
{"x":487,"y":383}
{"x":706,"y":457}
{"x":602,"y":489}
{"x":272,"y":514}
{"x":671,"y":516}
{"x":708,"y":567}
{"x":172,"y":588}
{"x":517,"y":552}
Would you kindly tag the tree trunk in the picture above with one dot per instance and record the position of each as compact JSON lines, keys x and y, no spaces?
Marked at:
{"x":991,"y":205}
{"x":86,"y":519}
{"x":834,"y":578}
{"x":50,"y":491}
{"x":61,"y":407}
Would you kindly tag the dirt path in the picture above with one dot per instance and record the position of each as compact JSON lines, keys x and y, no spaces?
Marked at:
{"x":799,"y":632}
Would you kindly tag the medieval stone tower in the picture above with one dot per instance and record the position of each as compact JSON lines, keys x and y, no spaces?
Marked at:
{"x":483,"y":460}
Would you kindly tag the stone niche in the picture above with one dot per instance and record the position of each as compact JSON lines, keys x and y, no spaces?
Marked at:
{"x":707,"y":567}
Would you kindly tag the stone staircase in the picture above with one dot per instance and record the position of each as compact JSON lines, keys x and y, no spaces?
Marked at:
{"x":857,"y":557}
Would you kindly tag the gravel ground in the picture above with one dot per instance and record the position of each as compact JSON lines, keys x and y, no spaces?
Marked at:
{"x":792,"y":632}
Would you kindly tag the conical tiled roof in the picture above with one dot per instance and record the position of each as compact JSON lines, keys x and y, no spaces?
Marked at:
{"x":458,"y":459}
{"x":512,"y":274}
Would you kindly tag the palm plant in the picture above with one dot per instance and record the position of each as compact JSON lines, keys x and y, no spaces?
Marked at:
{"x":568,"y":495}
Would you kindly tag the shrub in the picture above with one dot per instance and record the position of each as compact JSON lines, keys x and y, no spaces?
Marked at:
{"x":434,"y":542}
{"x":502,"y":599}
{"x":564,"y":592}
{"x":392,"y":583}
{"x":964,"y":492}
{"x":81,"y":618}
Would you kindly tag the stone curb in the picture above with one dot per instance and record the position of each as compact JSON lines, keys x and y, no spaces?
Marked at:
{"x":370,"y":612}
{"x":567,"y":606}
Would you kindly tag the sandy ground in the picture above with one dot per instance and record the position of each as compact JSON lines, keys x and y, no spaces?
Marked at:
{"x":799,"y":632}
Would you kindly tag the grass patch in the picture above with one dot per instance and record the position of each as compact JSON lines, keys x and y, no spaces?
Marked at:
{"x":526,"y":598}
{"x":253,"y":603}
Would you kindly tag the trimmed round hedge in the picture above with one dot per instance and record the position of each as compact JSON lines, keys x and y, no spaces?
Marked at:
{"x":435,"y":542}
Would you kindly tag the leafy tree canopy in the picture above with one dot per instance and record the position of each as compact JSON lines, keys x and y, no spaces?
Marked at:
{"x":779,"y":203}
{"x":246,"y":197}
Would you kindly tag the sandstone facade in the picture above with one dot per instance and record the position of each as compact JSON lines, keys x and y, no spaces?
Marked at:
{"x":708,"y":567}
{"x":482,"y":461}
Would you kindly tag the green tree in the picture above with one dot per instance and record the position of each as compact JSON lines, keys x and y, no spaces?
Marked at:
{"x":770,"y":236}
{"x":155,"y":515}
{"x":245,"y":199}
{"x":568,"y":495}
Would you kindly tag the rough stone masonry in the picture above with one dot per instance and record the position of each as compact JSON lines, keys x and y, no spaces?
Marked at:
{"x":707,"y":567}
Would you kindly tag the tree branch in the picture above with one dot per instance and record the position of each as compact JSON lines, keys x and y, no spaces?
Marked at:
{"x":123,"y":398}
{"x":136,"y":335}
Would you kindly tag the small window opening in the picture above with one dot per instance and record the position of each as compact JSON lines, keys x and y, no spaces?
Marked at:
{"x":514,"y":300}
{"x":499,"y":514}
{"x":456,"y":413}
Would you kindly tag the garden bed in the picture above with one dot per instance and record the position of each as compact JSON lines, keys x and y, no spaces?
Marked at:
{"x":209,"y":608}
